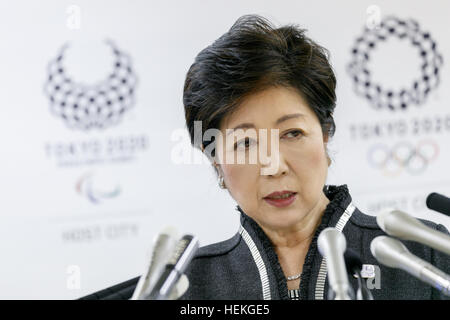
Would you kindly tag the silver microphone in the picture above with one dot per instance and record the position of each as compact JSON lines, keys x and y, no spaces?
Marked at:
{"x":182,"y":256}
{"x":403,"y":226}
{"x":392,"y":253}
{"x":332,"y":246}
{"x":164,"y":245}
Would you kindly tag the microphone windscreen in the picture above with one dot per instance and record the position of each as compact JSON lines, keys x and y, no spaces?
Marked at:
{"x":353,"y":262}
{"x":382,"y":216}
{"x":439,"y":203}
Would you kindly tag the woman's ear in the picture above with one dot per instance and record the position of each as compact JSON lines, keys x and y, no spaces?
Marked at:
{"x":325,"y":139}
{"x":325,"y":143}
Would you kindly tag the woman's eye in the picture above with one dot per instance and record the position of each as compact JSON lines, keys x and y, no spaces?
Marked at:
{"x":294,"y":133}
{"x":244,"y":143}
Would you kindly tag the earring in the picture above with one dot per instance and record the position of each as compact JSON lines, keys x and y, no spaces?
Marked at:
{"x":222,"y":183}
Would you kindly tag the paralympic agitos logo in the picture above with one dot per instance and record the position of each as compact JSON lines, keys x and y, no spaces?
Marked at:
{"x":413,"y":91}
{"x":87,"y":186}
{"x":84,"y":106}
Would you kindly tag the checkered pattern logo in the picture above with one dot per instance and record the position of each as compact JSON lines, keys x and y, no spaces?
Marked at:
{"x":91,"y":106}
{"x":414,"y":91}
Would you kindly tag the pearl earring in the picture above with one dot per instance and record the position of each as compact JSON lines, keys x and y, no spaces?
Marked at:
{"x":222,"y":183}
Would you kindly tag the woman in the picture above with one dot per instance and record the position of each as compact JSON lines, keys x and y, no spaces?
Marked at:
{"x":254,"y":78}
{"x":258,"y":77}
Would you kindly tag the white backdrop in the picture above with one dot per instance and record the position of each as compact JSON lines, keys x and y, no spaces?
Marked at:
{"x":80,"y":206}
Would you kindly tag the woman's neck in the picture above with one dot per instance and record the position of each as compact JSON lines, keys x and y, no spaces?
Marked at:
{"x":302,"y":232}
{"x":292,"y":245}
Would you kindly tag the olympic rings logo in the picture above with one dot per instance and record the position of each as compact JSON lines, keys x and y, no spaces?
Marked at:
{"x":403,"y":156}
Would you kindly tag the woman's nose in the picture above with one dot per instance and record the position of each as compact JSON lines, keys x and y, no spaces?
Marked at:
{"x":271,"y":159}
{"x":275,"y":165}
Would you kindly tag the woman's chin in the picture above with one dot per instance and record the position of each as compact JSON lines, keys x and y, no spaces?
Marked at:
{"x":283,"y":220}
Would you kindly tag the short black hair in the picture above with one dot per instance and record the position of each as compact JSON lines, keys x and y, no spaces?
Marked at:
{"x":252,"y":56}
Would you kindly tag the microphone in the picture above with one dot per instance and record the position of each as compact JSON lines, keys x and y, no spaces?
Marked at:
{"x":439,"y":203}
{"x":163,"y":246}
{"x":332,"y":245}
{"x":180,"y":288}
{"x":392,"y":253}
{"x":354,"y":264}
{"x":182,"y":256}
{"x":401,"y":225}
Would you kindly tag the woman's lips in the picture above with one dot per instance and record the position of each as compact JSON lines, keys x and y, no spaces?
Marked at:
{"x":279,"y":203}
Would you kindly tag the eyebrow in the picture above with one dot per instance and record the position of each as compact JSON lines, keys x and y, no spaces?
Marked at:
{"x":286,"y":117}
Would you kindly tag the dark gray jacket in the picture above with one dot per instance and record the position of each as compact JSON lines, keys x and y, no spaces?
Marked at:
{"x":247,"y":267}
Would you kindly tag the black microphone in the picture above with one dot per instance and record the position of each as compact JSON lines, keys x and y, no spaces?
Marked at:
{"x":439,"y":203}
{"x":184,"y":253}
{"x":121,"y":291}
{"x":354,"y":265}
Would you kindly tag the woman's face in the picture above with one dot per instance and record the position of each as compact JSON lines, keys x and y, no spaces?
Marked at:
{"x":299,"y":165}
